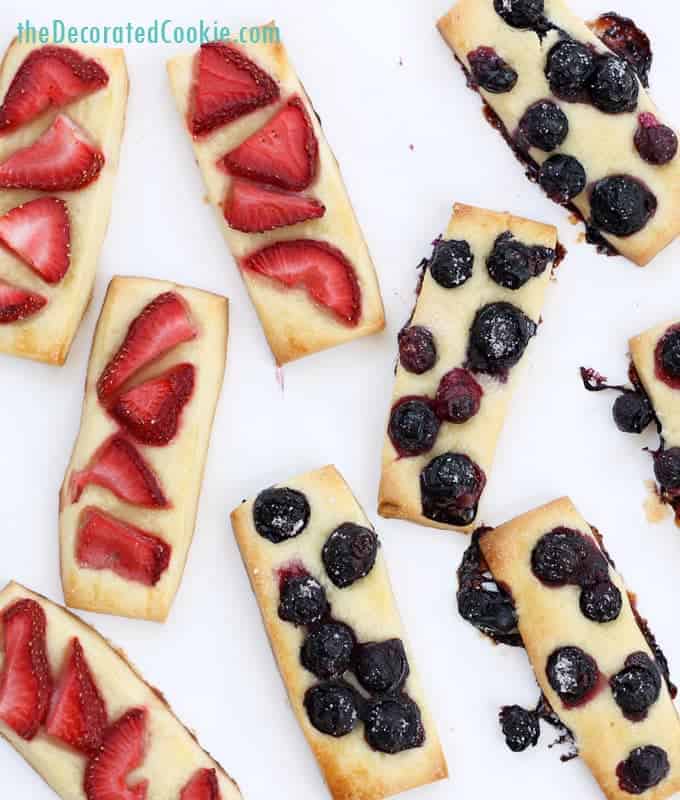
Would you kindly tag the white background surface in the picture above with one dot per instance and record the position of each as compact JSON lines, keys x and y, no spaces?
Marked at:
{"x":212,"y":658}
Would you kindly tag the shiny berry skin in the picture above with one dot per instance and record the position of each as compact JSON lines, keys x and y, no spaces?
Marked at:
{"x":327,"y":650}
{"x":349,"y":554}
{"x":656,"y":143}
{"x":601,"y":602}
{"x":332,"y":708}
{"x":280,"y":514}
{"x":520,"y":13}
{"x":669,"y":353}
{"x":451,"y":263}
{"x":558,"y":557}
{"x":417,"y":350}
{"x":667,"y":469}
{"x":499,"y":336}
{"x":637,"y":686}
{"x":381,"y":667}
{"x":303,"y":600}
{"x":544,"y":125}
{"x":621,"y":205}
{"x":490,"y":71}
{"x":393,"y":725}
{"x":614,"y":86}
{"x":573,"y":675}
{"x":632,"y":411}
{"x":520,"y":728}
{"x":562,"y":177}
{"x":644,"y":768}
{"x":450,"y":488}
{"x":623,"y":36}
{"x":512,"y":263}
{"x":568,"y":69}
{"x":413,"y":426}
{"x":459,"y":396}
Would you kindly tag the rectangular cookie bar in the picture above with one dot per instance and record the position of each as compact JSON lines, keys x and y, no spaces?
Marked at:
{"x":479,"y":304}
{"x":84,"y":718}
{"x":59,"y":153}
{"x":129,"y":498}
{"x":576,"y":115}
{"x":588,"y":649}
{"x":279,"y":195}
{"x":318,"y":572}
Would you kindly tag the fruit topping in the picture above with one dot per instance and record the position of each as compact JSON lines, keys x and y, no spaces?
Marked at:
{"x":637,"y":686}
{"x":393,"y":725}
{"x":564,"y":556}
{"x":656,"y":143}
{"x":451,"y":263}
{"x":121,"y":752}
{"x":544,"y":125}
{"x":318,"y":268}
{"x":499,"y":336}
{"x":283,"y":153}
{"x":162,"y":325}
{"x":520,"y":13}
{"x":49,"y":77}
{"x":349,"y":554}
{"x":417,"y":350}
{"x":151,"y":410}
{"x":644,"y":768}
{"x":303,"y":600}
{"x":520,"y":728}
{"x":227,"y":85}
{"x":78,"y":715}
{"x":667,"y":470}
{"x":450,"y":488}
{"x":621,"y":205}
{"x":104,"y":542}
{"x":25,"y":680}
{"x":601,"y":602}
{"x":413,"y":426}
{"x":327,"y":650}
{"x":459,"y":396}
{"x":614,"y":86}
{"x":381,"y":667}
{"x":61,"y":159}
{"x":253,"y":208}
{"x":623,"y":36}
{"x":280,"y":514}
{"x":202,"y":786}
{"x":332,"y":708}
{"x":119,"y":467}
{"x":667,"y":357}
{"x":568,"y":69}
{"x":562,"y":178}
{"x":573,"y":674}
{"x":490,"y":71}
{"x":632,"y":411}
{"x":17,"y":304}
{"x":512,"y":263}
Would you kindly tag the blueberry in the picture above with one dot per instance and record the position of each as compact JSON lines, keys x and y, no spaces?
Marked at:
{"x":520,"y":13}
{"x":381,"y":667}
{"x":632,"y":411}
{"x":623,"y":36}
{"x":490,"y":71}
{"x":512,"y":263}
{"x":349,"y":554}
{"x":568,"y":69}
{"x":621,"y":205}
{"x":669,"y":352}
{"x":303,"y":600}
{"x":393,"y":725}
{"x":451,"y":263}
{"x":520,"y":728}
{"x":332,"y":708}
{"x":572,"y":674}
{"x":637,"y":686}
{"x":562,"y":177}
{"x":644,"y":768}
{"x":558,"y":557}
{"x":544,"y":125}
{"x":614,"y":85}
{"x":499,"y":336}
{"x":450,"y":488}
{"x":327,"y":650}
{"x":280,"y":514}
{"x":656,"y":143}
{"x":491,"y":612}
{"x":459,"y":396}
{"x":413,"y":426}
{"x":667,"y":469}
{"x":417,"y":350}
{"x":601,"y":602}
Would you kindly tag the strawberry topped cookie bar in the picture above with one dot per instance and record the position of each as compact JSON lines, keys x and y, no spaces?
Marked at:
{"x":279,"y":194}
{"x":61,"y":121}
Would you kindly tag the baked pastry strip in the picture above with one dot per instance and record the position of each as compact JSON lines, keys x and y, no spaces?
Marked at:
{"x":550,"y":618}
{"x":602,"y":142}
{"x":448,"y":314}
{"x":48,"y":335}
{"x":351,"y":768}
{"x":293,"y":324}
{"x":177,"y":465}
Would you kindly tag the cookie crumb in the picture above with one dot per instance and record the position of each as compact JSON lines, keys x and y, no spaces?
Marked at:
{"x":655,"y":509}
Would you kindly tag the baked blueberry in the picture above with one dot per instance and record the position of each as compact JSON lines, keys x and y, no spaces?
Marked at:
{"x":393,"y":725}
{"x":637,"y":686}
{"x":656,"y":143}
{"x":499,"y":336}
{"x":621,"y":205}
{"x":413,"y":426}
{"x":490,"y":71}
{"x":417,"y":350}
{"x":349,"y":554}
{"x":520,"y":13}
{"x":562,"y":177}
{"x":544,"y":125}
{"x":303,"y":600}
{"x":623,"y":36}
{"x":667,"y":469}
{"x":668,"y":353}
{"x":280,"y":514}
{"x":601,"y":602}
{"x":512,"y":263}
{"x":381,"y":667}
{"x":332,"y":708}
{"x":632,"y":411}
{"x":459,"y":396}
{"x":450,"y":488}
{"x":451,"y":263}
{"x":573,"y":674}
{"x":614,"y":85}
{"x":558,"y":557}
{"x":644,"y":768}
{"x":568,"y":69}
{"x":327,"y":650}
{"x":520,"y":728}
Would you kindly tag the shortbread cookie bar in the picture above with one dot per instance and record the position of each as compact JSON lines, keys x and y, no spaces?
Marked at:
{"x":83,"y":717}
{"x":588,"y":648}
{"x":129,"y":499}
{"x":318,"y":572}
{"x":479,"y":305}
{"x":61,"y":123}
{"x":576,"y":114}
{"x":279,"y":195}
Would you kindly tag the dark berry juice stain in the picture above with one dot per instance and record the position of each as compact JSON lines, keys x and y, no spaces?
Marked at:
{"x":521,"y":728}
{"x":659,"y":656}
{"x":627,"y":40}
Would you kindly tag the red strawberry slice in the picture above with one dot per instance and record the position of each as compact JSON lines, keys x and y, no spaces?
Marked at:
{"x":50,"y":77}
{"x":162,"y":325}
{"x":283,"y":153}
{"x":25,"y":681}
{"x":39,"y":233}
{"x":108,"y":543}
{"x":17,"y":304}
{"x":78,"y":714}
{"x":62,"y":159}
{"x":121,"y":752}
{"x":322,"y":270}
{"x":227,"y":85}
{"x":255,"y":209}
{"x":203,"y":786}
{"x":152,"y":410}
{"x":119,"y":467}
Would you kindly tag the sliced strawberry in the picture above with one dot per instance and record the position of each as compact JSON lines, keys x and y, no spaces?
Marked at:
{"x":39,"y":233}
{"x":203,"y":786}
{"x":50,"y":77}
{"x":78,"y":714}
{"x":322,"y":270}
{"x":25,"y":681}
{"x":107,"y":543}
{"x":152,"y":410}
{"x":62,"y":159}
{"x":283,"y":153}
{"x":252,"y":208}
{"x":163,"y":324}
{"x":17,"y":304}
{"x":118,"y":466}
{"x":121,"y":752}
{"x":227,"y":85}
